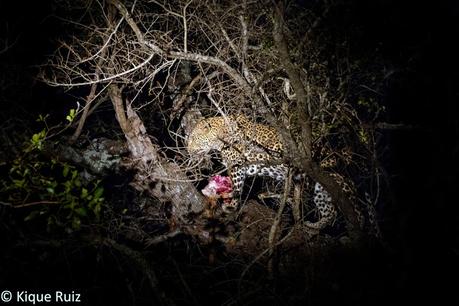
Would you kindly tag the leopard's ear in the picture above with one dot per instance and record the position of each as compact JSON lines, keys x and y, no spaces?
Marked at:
{"x":190,"y":119}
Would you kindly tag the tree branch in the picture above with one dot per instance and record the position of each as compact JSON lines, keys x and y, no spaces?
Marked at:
{"x":304,"y":159}
{"x":297,"y":84}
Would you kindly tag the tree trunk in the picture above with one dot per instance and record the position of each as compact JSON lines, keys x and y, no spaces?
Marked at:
{"x":157,"y":176}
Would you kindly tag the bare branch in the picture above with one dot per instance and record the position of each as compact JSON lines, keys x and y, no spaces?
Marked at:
{"x":294,"y":76}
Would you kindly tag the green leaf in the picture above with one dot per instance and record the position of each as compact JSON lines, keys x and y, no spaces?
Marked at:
{"x":84,"y":193}
{"x":19,"y":183}
{"x":42,"y":118}
{"x":76,"y":223}
{"x":98,"y":192}
{"x":77,"y":183}
{"x":81,"y":211}
{"x":97,"y":210}
{"x":363,"y":136}
{"x":38,"y":138}
{"x":65,"y":171}
{"x":35,"y":138}
{"x":71,"y":115}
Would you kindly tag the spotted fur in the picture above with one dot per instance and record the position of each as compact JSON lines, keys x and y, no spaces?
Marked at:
{"x":253,"y":149}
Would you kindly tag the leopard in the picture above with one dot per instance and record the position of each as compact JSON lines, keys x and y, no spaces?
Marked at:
{"x":250,"y":149}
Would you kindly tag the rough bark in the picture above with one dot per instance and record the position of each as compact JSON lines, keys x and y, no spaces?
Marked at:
{"x":155,"y":175}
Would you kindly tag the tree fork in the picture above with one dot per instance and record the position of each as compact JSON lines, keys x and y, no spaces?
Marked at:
{"x":159,"y":177}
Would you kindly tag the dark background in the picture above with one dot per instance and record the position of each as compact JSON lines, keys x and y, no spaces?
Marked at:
{"x":420,"y":43}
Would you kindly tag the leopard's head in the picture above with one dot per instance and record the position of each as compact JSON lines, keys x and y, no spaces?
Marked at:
{"x":205,"y":137}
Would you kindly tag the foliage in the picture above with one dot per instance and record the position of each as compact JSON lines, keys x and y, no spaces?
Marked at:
{"x":50,"y":189}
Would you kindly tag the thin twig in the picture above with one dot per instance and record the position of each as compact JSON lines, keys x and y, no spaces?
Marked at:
{"x":29,"y":204}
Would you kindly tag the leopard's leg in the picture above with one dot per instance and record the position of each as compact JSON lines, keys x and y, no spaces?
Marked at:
{"x":237,"y":175}
{"x":278,"y":173}
{"x":327,"y":211}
